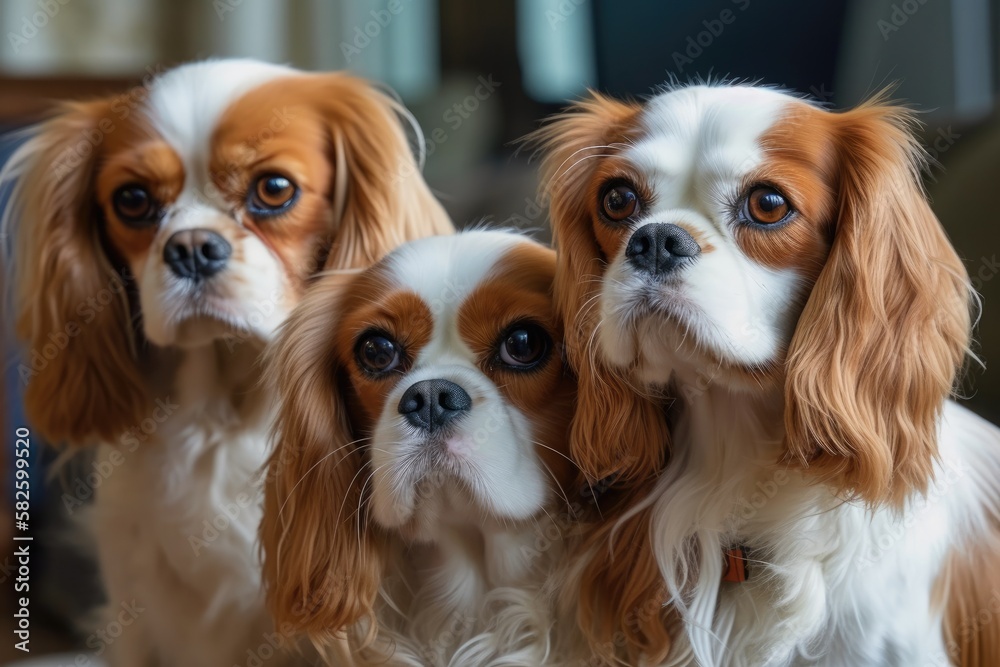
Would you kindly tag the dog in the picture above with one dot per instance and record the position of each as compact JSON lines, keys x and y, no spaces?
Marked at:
{"x":160,"y":238}
{"x":767,"y":321}
{"x":414,"y":501}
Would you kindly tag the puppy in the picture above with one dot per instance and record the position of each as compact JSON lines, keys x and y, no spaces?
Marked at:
{"x":772,"y":274}
{"x":160,"y":238}
{"x":413,"y":499}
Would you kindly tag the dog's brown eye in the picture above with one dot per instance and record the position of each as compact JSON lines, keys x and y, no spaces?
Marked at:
{"x":271,"y":194}
{"x":523,"y":346}
{"x":619,"y":202}
{"x":766,"y":206}
{"x":377,"y":353}
{"x":134,"y":205}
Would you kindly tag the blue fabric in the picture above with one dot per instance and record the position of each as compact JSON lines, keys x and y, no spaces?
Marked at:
{"x":13,"y":409}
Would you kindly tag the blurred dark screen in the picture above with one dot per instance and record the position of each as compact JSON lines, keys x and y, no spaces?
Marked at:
{"x":790,"y":42}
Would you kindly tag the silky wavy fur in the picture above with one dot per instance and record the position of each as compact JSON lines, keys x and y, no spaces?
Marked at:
{"x":380,"y":193}
{"x":969,"y":592}
{"x":617,"y":590}
{"x":619,"y":430}
{"x":891,"y":268}
{"x":614,"y":419}
{"x":92,"y":387}
{"x":321,"y":575}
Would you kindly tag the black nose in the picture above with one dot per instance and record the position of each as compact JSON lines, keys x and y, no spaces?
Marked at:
{"x":431,"y":404}
{"x":660,"y":248}
{"x":196,"y":253}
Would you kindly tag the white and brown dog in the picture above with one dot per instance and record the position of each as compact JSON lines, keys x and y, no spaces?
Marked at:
{"x":414,"y":496}
{"x":160,"y":238}
{"x":771,"y":273}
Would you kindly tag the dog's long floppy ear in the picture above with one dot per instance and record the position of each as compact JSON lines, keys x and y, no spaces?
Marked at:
{"x":886,"y":327}
{"x":70,"y":304}
{"x":321,"y":563}
{"x":380,"y":198}
{"x":619,"y":593}
{"x":617,"y":430}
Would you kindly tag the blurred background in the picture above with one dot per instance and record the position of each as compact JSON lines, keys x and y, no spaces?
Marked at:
{"x":479,"y":75}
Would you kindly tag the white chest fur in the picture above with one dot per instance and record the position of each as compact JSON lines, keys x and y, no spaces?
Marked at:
{"x":832,"y":582}
{"x":176,"y":524}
